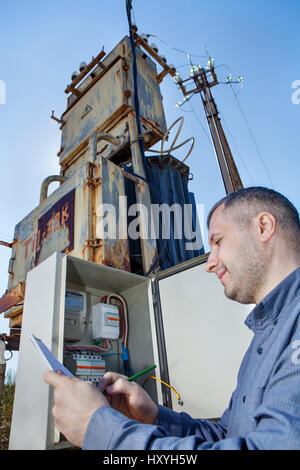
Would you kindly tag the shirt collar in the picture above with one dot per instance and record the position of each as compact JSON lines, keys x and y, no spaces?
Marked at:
{"x":267,"y":311}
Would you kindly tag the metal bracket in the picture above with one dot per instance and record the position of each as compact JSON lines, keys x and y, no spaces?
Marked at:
{"x":93,"y":181}
{"x":94,"y":243}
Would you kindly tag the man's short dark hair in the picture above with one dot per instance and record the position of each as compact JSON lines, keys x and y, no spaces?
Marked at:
{"x":248,"y":202}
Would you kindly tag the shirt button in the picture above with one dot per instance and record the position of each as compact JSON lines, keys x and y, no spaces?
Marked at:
{"x":260,"y":350}
{"x":244,"y":398}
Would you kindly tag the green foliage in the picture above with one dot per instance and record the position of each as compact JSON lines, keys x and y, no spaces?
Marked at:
{"x":6,"y":409}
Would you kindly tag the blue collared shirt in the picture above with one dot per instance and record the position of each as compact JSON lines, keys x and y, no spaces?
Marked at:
{"x":264,"y":410}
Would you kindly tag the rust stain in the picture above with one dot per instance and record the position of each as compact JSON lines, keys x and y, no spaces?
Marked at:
{"x":102,"y":150}
{"x":12,"y":297}
{"x":16,"y":322}
{"x":118,"y":256}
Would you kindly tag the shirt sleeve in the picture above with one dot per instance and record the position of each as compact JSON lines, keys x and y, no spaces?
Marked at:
{"x":276,"y":413}
{"x":277,"y":417}
{"x":109,"y":429}
{"x":181,"y":424}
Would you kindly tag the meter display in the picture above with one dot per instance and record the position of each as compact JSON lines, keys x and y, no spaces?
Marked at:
{"x":75,"y":315}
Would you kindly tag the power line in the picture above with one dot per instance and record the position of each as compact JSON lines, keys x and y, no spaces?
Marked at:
{"x":188,"y":54}
{"x":237,"y":149}
{"x":203,"y":128}
{"x":252,"y":136}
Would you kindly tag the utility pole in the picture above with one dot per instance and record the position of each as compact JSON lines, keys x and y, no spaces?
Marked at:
{"x":204,"y":81}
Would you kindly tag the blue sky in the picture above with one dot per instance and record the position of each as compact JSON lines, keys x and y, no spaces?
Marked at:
{"x":42,"y":43}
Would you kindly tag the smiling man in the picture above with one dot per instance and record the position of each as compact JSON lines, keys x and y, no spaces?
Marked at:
{"x":254,"y":235}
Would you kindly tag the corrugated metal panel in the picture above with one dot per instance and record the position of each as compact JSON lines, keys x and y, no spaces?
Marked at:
{"x":170,"y":186}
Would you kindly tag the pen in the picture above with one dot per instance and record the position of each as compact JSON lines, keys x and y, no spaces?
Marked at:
{"x":135,"y":376}
{"x":142,"y":372}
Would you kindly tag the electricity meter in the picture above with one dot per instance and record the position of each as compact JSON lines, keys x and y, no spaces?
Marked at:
{"x":105,"y":321}
{"x":75,"y":315}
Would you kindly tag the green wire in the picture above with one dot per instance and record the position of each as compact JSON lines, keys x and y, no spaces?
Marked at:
{"x":142,"y":372}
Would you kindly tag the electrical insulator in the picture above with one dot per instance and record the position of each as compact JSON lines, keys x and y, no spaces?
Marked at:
{"x":74,"y":75}
{"x":82,"y":66}
{"x":154,"y":47}
{"x":144,"y":37}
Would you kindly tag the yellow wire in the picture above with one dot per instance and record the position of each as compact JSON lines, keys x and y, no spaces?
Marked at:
{"x":167,"y":385}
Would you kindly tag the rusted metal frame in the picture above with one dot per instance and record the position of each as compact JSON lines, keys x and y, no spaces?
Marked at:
{"x":60,"y":151}
{"x":133,"y":178}
{"x":159,"y":78}
{"x":93,"y":181}
{"x":16,"y":322}
{"x":152,"y":127}
{"x":203,"y":75}
{"x":45,"y":185}
{"x":71,"y":162}
{"x":15,"y":316}
{"x":113,"y":118}
{"x":148,"y":245}
{"x":200,"y":83}
{"x":92,"y":83}
{"x":12,"y":297}
{"x":86,"y":70}
{"x":90,"y":185}
{"x":56,"y":119}
{"x":94,"y":243}
{"x":115,"y":249}
{"x":12,"y":340}
{"x":74,"y":90}
{"x":15,"y":311}
{"x":140,"y":42}
{"x":94,"y":138}
{"x":8,"y":245}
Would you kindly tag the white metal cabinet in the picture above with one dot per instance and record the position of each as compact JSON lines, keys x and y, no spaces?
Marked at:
{"x":179,"y":320}
{"x":205,"y":338}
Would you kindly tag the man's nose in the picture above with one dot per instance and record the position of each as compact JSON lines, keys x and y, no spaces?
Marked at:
{"x":211,"y":263}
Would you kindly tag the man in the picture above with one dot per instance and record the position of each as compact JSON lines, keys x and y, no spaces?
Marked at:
{"x":254,"y":235}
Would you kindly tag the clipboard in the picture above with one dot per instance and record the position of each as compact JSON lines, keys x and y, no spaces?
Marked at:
{"x":48,"y":357}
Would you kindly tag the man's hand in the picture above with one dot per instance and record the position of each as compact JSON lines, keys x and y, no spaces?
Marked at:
{"x":129,"y":398}
{"x":74,"y":403}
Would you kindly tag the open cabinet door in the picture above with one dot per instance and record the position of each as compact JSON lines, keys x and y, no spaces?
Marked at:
{"x":202,"y":338}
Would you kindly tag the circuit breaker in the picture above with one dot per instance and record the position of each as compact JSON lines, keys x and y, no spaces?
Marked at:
{"x":89,"y":367}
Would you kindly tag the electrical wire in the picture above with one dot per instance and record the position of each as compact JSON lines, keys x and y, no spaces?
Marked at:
{"x":252,"y":136}
{"x":124,"y":311}
{"x":179,"y":399}
{"x":84,"y":347}
{"x":202,"y":127}
{"x":238,"y":151}
{"x":188,"y":54}
{"x":11,"y":355}
{"x":124,"y":318}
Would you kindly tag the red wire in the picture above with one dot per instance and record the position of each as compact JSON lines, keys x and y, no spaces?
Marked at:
{"x":122,"y":316}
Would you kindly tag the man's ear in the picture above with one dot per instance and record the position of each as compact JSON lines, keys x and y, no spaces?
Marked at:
{"x":265,"y":225}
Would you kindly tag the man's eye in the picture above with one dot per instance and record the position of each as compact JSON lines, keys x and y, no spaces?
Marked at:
{"x":218,"y":242}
